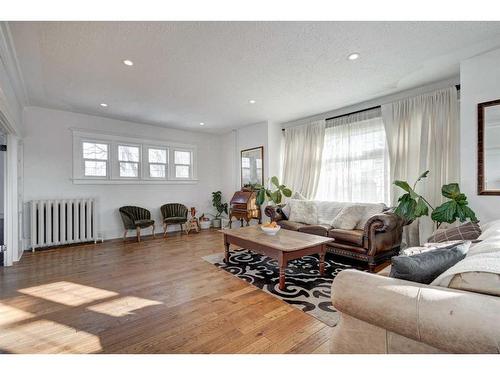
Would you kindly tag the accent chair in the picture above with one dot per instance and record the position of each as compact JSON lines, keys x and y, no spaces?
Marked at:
{"x":173,"y":214}
{"x":136,"y":218}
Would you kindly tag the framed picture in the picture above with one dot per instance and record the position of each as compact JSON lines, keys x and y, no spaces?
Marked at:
{"x":252,"y":166}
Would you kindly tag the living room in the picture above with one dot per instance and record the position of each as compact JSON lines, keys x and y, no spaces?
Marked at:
{"x":249,"y":185}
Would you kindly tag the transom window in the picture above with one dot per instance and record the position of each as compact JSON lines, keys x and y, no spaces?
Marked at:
{"x":105,"y":158}
{"x":128,"y":160}
{"x":182,"y":162}
{"x":157,"y":159}
{"x":95,"y":159}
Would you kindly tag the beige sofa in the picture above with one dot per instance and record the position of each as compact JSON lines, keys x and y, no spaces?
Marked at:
{"x":380,"y":314}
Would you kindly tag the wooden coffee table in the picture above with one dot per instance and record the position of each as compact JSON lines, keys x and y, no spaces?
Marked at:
{"x":284,"y":246}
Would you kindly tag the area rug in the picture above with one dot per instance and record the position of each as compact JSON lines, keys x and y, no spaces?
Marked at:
{"x":304,"y":289}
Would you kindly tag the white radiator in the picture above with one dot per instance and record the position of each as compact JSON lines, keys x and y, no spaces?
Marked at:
{"x":62,"y":221}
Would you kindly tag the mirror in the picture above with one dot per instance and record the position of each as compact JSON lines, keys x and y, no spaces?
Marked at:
{"x":252,"y":171}
{"x":489,"y":148}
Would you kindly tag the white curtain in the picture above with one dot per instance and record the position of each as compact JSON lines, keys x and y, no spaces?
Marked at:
{"x":302,"y":157}
{"x":355,"y":162}
{"x":423,"y":134}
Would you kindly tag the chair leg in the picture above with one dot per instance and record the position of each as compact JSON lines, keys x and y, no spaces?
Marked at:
{"x":165,"y":226}
{"x":138,"y":229}
{"x":125,"y":235}
{"x":153,"y":229}
{"x":182,"y":229}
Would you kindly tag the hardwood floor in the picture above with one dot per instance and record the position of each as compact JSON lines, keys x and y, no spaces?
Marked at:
{"x":156,"y":296}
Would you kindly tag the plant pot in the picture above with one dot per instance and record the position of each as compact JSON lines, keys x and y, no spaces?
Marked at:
{"x":216,"y":223}
{"x":205,"y":224}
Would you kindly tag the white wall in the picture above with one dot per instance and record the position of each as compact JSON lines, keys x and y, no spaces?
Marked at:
{"x":48,"y":167}
{"x":480,"y":78}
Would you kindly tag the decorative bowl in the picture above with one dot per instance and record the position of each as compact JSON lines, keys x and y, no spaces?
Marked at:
{"x":270,"y":230}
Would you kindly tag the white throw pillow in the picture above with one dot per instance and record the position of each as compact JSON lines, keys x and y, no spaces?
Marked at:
{"x":303,"y":211}
{"x":286,"y":207}
{"x":348,"y":217}
{"x":327,"y":211}
{"x":369,"y":210}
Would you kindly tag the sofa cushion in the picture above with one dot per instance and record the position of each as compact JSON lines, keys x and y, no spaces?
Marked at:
{"x":348,"y":217}
{"x":291,"y":225}
{"x":424,"y":268}
{"x":303,"y":211}
{"x":319,"y":230}
{"x":478,"y":282}
{"x":467,"y":231}
{"x":353,"y":236}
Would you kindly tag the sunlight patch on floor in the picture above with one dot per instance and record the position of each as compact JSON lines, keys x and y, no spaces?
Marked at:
{"x":68,"y":293}
{"x":10,"y":315}
{"x":122,"y":306}
{"x":45,"y":336}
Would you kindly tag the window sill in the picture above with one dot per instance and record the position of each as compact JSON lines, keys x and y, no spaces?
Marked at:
{"x":92,"y":181}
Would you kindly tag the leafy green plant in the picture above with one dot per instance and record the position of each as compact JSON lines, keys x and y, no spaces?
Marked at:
{"x":413,"y":205}
{"x":275,"y":196}
{"x":217,"y":203}
{"x":456,"y":208}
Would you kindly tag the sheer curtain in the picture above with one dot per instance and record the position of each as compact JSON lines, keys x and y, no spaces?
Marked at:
{"x":423,"y":134}
{"x":355,"y":162}
{"x":302,"y":157}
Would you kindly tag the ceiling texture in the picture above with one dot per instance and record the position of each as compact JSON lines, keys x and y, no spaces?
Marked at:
{"x":185,"y":73}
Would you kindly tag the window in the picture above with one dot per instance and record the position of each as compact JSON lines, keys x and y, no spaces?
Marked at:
{"x":355,"y":162}
{"x":128,"y":161}
{"x":106,"y":158}
{"x":157,"y":159}
{"x":182,"y":164}
{"x":95,"y":159}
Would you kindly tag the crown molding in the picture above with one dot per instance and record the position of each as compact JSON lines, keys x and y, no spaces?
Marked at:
{"x":8,"y":58}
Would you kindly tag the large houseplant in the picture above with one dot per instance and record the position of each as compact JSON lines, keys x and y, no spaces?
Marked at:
{"x":275,"y":196}
{"x":412,"y":205}
{"x":219,"y":207}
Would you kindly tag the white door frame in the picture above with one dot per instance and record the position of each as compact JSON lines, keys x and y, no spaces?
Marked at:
{"x":11,"y":226}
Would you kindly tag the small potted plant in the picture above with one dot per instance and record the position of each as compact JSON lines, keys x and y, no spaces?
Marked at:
{"x":219,"y":207}
{"x":275,"y":196}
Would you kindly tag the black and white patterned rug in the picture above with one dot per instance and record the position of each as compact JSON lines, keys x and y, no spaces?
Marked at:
{"x":304,"y":288}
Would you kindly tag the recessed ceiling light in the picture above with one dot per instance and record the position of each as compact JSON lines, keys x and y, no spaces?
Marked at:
{"x":128,"y":62}
{"x":202,"y":123}
{"x":353,"y":56}
{"x":104,"y":105}
{"x":251,"y":101}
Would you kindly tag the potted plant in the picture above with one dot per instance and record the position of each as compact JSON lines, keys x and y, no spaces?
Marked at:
{"x":412,"y":205}
{"x":219,"y":207}
{"x":274,"y":196}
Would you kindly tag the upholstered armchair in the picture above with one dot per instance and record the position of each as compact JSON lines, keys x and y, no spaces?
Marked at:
{"x":136,"y":218}
{"x":173,"y":214}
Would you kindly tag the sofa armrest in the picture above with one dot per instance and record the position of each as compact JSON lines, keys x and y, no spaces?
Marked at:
{"x":448,"y":319}
{"x":383,"y":232}
{"x":275,"y":213}
{"x":384,"y":222}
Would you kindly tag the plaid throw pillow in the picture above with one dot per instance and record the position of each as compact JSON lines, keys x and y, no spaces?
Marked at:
{"x":467,"y":231}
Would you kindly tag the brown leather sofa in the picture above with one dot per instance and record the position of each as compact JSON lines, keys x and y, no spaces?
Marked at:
{"x":377,"y":242}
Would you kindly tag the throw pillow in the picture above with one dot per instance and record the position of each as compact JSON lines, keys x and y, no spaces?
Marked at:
{"x":467,"y":231}
{"x":286,"y":208}
{"x":348,"y":217}
{"x":425,"y":267}
{"x":369,"y":210}
{"x":409,"y":251}
{"x":303,"y":211}
{"x":327,"y":211}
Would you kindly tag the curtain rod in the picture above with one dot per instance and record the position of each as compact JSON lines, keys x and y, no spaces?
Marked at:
{"x":364,"y":110}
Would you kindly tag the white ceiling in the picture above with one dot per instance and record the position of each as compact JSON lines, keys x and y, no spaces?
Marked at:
{"x":185,"y":73}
